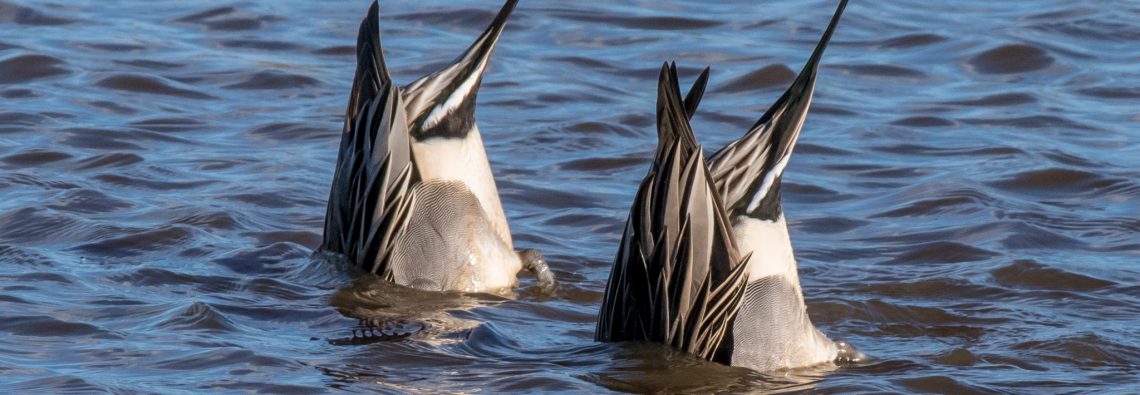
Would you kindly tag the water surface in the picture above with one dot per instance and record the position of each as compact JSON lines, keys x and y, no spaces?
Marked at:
{"x":964,"y":200}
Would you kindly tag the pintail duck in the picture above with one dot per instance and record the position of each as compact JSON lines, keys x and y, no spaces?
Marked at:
{"x":705,"y":263}
{"x":413,"y":199}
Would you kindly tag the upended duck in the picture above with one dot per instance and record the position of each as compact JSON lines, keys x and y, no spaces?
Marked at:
{"x":413,"y":199}
{"x":705,"y":264}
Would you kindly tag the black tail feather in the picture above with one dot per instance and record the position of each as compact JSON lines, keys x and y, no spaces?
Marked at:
{"x":443,"y":104}
{"x":677,"y":277}
{"x":748,"y":171}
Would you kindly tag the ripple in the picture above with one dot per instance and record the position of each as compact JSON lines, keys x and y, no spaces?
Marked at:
{"x":828,"y":225}
{"x":34,"y":224}
{"x":275,"y":80}
{"x":997,"y":100}
{"x":264,"y":258}
{"x":591,"y":127}
{"x":216,"y":220}
{"x":26,"y":68}
{"x":602,"y":164}
{"x":44,"y":326}
{"x":929,"y":207}
{"x":150,"y":85}
{"x":924,"y":122}
{"x":910,"y":41}
{"x":198,"y":317}
{"x":933,"y":288}
{"x":804,"y":193}
{"x":305,"y":238}
{"x":585,"y":221}
{"x":211,"y":359}
{"x":169,"y":124}
{"x":228,"y":19}
{"x":1112,"y":92}
{"x":87,"y":201}
{"x":1055,"y":182}
{"x":17,"y":94}
{"x":63,"y":384}
{"x":102,"y":139}
{"x":771,"y":76}
{"x":1025,"y":237}
{"x":1025,"y":273}
{"x":138,"y":243}
{"x":285,"y":131}
{"x":336,"y":50}
{"x":112,"y":107}
{"x":263,"y":45}
{"x":1089,"y":29}
{"x":942,"y":252}
{"x":883,"y":70}
{"x":1049,"y":122}
{"x":1010,"y":59}
{"x":637,"y":22}
{"x":1084,"y":350}
{"x":971,"y":152}
{"x":941,"y":384}
{"x":129,"y":181}
{"x":156,"y":277}
{"x":21,"y":15}
{"x":35,"y":158}
{"x":150,"y":64}
{"x":274,"y":200}
{"x":11,"y":119}
{"x":112,"y":47}
{"x":554,"y":198}
{"x":20,"y":256}
{"x":103,"y":161}
{"x":467,"y":17}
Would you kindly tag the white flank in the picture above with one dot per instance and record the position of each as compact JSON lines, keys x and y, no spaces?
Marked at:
{"x":770,"y":246}
{"x":464,"y":160}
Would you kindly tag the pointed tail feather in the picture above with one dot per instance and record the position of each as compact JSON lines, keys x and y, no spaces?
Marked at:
{"x":677,"y":278}
{"x":443,"y":104}
{"x":748,"y":171}
{"x":374,"y":167}
{"x":371,"y":71}
{"x":693,"y":99}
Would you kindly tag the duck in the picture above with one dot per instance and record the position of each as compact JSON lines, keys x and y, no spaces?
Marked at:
{"x":413,"y":198}
{"x":705,"y":264}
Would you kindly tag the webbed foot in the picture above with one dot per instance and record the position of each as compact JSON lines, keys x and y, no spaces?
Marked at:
{"x":533,"y":260}
{"x":848,"y":354}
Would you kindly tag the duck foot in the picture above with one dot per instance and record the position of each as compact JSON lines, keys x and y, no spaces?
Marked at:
{"x":533,"y":261}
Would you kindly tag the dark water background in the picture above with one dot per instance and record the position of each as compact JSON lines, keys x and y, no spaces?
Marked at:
{"x":964,"y":200}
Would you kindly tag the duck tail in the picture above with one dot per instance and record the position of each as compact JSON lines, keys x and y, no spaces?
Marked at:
{"x":748,"y":170}
{"x":677,"y":277}
{"x":374,"y":167}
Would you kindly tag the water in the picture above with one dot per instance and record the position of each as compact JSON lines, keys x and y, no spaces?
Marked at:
{"x":964,"y":199}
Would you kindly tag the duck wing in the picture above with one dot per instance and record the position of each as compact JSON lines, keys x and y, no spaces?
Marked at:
{"x":677,"y":278}
{"x":369,"y":197}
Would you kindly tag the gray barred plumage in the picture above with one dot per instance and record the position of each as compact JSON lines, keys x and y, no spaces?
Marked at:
{"x":705,"y":245}
{"x":412,"y":165}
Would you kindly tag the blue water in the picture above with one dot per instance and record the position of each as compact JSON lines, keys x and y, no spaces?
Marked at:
{"x":964,"y":199}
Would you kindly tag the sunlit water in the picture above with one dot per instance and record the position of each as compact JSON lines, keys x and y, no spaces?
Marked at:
{"x":964,"y":200}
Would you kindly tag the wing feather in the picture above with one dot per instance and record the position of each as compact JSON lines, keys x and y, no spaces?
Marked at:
{"x":667,"y":285}
{"x":748,"y":170}
{"x":374,"y":167}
